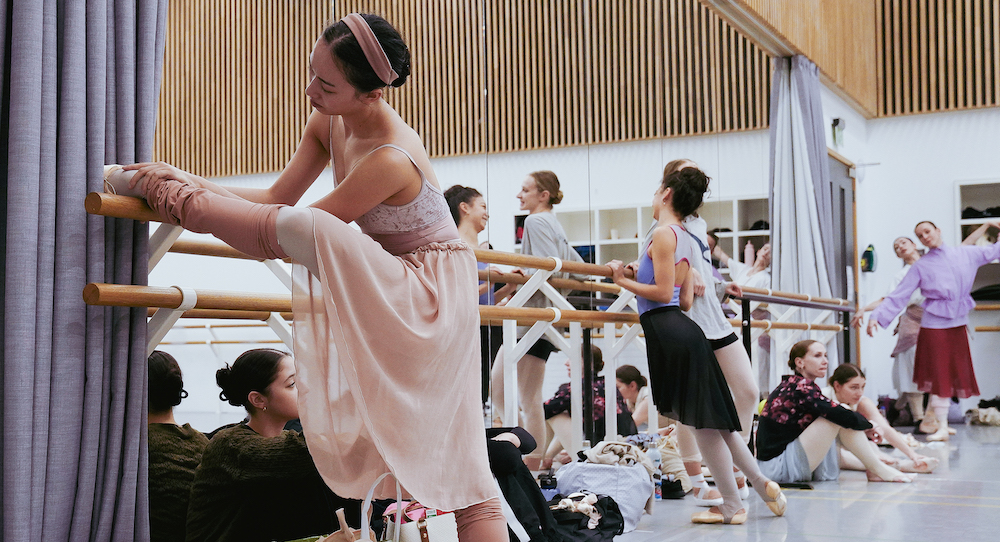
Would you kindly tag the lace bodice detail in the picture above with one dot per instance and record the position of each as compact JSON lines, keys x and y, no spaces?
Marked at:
{"x":427,"y":209}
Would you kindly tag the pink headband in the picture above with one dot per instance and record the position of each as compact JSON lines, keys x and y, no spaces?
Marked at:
{"x":373,"y":50}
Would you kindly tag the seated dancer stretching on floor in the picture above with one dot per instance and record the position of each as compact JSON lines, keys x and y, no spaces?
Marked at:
{"x":799,"y":427}
{"x":847,"y":387}
{"x":687,"y":382}
{"x":408,"y":276}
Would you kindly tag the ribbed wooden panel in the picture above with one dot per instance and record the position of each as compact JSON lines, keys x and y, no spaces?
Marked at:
{"x":556,"y":73}
{"x":497,"y":76}
{"x":838,"y":35}
{"x":938,"y":55}
{"x":233,"y":95}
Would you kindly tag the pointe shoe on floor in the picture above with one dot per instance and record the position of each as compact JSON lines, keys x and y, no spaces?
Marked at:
{"x":951,"y":431}
{"x":941,"y":435}
{"x":928,"y":425}
{"x":708,"y":516}
{"x":900,"y":478}
{"x":908,"y":465}
{"x":778,"y":502}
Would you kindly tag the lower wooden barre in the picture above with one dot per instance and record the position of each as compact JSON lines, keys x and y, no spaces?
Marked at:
{"x":987,"y":328}
{"x":213,"y":304}
{"x":988,"y":307}
{"x":212,"y":314}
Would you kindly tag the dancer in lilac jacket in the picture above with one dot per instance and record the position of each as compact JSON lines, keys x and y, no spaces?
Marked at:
{"x":943,"y":364}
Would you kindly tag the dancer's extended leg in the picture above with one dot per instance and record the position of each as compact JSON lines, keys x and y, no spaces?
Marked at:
{"x":819,"y":436}
{"x":940,"y":405}
{"x":769,"y":491}
{"x":719,"y":460}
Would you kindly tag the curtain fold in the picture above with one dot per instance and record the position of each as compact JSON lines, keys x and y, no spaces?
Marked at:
{"x":80,"y":86}
{"x":799,"y":201}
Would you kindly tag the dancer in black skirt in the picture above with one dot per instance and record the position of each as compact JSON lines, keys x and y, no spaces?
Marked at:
{"x":687,"y":383}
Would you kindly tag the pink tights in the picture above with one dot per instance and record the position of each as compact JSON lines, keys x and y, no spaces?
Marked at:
{"x":483,"y":522}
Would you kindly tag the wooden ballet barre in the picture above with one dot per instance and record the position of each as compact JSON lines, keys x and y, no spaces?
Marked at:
{"x":100,"y":203}
{"x":112,"y":205}
{"x":798,"y":297}
{"x":987,"y":328}
{"x":222,"y":250}
{"x":209,"y":248}
{"x":988,"y":307}
{"x":121,"y":295}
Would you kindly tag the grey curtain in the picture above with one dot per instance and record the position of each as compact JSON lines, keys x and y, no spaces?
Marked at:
{"x":80,"y":84}
{"x":800,"y":195}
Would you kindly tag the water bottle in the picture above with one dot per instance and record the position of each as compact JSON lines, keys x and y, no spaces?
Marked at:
{"x":654,"y":456}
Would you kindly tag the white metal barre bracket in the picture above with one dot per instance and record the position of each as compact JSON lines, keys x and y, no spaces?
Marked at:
{"x":164,"y":319}
{"x":161,"y":241}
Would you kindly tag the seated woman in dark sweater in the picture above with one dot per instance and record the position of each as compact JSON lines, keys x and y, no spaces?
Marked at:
{"x":257,"y":481}
{"x":174,"y":451}
{"x":799,"y":426}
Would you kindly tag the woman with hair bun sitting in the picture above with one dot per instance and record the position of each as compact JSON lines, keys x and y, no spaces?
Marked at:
{"x":256,"y":480}
{"x":174,"y":451}
{"x":847,"y":386}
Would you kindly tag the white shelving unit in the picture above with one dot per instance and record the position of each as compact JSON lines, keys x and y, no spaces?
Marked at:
{"x":982,"y":195}
{"x":616,"y":232}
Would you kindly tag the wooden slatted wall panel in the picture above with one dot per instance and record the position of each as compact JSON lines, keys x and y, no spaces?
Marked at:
{"x":487,"y":76}
{"x":232,"y":100}
{"x":840,"y":36}
{"x":938,"y":55}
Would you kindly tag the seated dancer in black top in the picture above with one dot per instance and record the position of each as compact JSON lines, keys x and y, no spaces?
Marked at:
{"x":256,"y":480}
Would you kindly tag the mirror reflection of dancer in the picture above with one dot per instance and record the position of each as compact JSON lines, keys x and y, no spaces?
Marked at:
{"x":468,"y":208}
{"x":387,"y":323}
{"x":906,"y":330}
{"x":943,"y":362}
{"x":687,"y":382}
{"x":543,"y":237}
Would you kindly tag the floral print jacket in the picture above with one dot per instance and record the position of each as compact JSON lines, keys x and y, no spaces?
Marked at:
{"x":559,"y":402}
{"x":791,"y":407}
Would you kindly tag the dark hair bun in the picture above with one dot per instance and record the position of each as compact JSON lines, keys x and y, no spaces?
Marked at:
{"x":689,"y":186}
{"x":347,"y":51}
{"x":166,"y":384}
{"x":254,"y":370}
{"x":224,"y":378}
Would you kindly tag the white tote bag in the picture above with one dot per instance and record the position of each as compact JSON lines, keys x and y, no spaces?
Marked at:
{"x":440,"y":528}
{"x":629,"y":486}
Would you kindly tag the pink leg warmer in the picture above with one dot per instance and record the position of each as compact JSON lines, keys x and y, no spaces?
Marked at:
{"x":245,"y":226}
